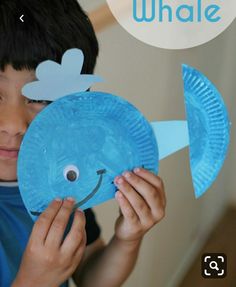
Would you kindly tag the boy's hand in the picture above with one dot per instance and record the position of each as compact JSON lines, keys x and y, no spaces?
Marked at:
{"x":142,"y":202}
{"x":48,"y":261}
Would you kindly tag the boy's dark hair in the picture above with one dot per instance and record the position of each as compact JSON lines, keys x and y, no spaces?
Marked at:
{"x":50,"y":28}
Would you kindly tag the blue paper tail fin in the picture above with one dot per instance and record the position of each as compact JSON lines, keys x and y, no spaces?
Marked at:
{"x":171,"y":136}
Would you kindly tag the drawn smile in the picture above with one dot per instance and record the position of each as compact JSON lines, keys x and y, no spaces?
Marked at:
{"x":100,"y":172}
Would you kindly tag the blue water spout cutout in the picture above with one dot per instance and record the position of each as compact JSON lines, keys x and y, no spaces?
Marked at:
{"x":77,"y":145}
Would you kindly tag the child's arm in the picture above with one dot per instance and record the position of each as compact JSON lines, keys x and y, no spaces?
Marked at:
{"x":142,"y":202}
{"x":46,"y":262}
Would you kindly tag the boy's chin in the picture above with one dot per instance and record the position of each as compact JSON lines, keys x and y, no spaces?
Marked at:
{"x":7,"y":172}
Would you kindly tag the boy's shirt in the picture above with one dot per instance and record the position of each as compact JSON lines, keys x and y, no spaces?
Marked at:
{"x":15,"y":229}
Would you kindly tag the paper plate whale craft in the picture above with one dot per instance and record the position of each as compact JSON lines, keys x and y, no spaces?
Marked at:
{"x":78,"y":144}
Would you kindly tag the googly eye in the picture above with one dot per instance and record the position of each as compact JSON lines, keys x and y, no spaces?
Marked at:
{"x":71,"y":173}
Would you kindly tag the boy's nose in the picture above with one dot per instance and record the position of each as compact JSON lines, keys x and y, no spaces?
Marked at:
{"x":13,"y":121}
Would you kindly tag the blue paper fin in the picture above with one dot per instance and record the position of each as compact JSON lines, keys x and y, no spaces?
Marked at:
{"x":171,"y":136}
{"x":48,"y":70}
{"x":56,"y":81}
{"x":72,"y":61}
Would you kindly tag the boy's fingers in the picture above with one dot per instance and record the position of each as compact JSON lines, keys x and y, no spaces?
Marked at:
{"x":153,"y":180}
{"x":76,"y":234}
{"x":148,"y":192}
{"x":43,"y":223}
{"x":126,"y":208}
{"x":58,"y":226}
{"x":136,"y":201}
{"x":79,"y":253}
{"x":80,"y":250}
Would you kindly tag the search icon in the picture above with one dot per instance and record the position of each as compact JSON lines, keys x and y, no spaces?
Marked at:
{"x":214,"y":265}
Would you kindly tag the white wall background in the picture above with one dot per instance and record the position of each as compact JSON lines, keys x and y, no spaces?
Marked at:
{"x":150,"y":78}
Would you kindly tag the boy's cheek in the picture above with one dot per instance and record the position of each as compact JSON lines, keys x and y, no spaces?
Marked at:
{"x":36,"y":108}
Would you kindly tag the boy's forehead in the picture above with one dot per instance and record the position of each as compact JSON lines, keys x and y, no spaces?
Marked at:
{"x":11,"y":75}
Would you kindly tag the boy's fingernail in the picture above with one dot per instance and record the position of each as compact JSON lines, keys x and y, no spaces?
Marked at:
{"x":58,"y":199}
{"x":120,"y":180}
{"x":116,"y":180}
{"x":127,"y":174}
{"x":137,"y":169}
{"x":71,"y":199}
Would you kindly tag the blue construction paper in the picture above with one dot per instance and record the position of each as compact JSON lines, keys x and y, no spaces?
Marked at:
{"x":91,"y":137}
{"x":209,"y":128}
{"x":171,"y":136}
{"x":56,"y":81}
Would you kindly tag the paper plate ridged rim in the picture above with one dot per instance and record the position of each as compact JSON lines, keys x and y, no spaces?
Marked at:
{"x":198,"y":88}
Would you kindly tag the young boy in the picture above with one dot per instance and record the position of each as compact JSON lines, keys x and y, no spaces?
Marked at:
{"x":36,"y":254}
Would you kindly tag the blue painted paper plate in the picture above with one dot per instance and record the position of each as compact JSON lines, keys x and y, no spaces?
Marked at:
{"x":77,"y":145}
{"x":209,"y":128}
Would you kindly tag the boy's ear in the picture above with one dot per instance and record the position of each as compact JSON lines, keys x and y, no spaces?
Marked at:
{"x":171,"y":136}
